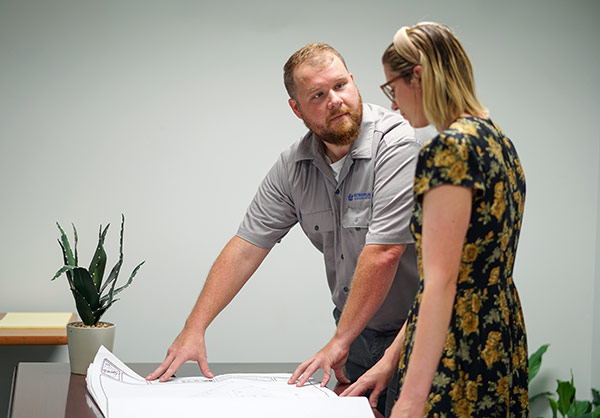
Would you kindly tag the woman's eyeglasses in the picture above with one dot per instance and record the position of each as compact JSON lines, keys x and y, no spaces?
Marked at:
{"x":389,"y":90}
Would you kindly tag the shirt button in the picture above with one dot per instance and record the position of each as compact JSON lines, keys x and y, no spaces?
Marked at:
{"x":342,"y":256}
{"x":337,"y":191}
{"x":316,"y":227}
{"x":346,"y":289}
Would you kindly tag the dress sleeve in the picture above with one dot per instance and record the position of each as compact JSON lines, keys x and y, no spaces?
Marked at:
{"x":449,"y":159}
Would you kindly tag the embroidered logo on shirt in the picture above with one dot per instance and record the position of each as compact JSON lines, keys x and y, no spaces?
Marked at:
{"x":359,"y":196}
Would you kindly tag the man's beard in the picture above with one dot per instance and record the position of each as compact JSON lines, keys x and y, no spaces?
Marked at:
{"x":344,"y":134}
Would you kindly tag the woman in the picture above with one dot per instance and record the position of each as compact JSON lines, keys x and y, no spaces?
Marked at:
{"x":463,"y":350}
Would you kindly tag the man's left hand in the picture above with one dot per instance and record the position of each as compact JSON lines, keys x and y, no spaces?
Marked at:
{"x":332,"y":356}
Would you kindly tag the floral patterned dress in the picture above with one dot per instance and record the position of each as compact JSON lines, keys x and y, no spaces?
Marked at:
{"x":483,"y":371}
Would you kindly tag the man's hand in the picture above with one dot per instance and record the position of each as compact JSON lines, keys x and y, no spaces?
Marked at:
{"x":332,"y":356}
{"x":377,"y":378}
{"x":189,"y":345}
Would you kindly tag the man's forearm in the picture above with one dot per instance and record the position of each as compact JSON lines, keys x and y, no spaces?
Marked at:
{"x":373,"y":278}
{"x":230,"y":271}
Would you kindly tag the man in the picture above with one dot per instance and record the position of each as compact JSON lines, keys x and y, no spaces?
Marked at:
{"x":348,"y":182}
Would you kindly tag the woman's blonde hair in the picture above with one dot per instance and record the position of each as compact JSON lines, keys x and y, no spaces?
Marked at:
{"x":447,"y":79}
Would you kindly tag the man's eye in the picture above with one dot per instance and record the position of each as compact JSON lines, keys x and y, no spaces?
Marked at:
{"x":317,"y":96}
{"x":340,"y":85}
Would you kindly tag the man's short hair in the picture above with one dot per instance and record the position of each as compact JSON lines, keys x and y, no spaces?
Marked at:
{"x":315,"y":53}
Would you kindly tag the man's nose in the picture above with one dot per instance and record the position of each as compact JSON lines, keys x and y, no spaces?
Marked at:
{"x":334,"y":100}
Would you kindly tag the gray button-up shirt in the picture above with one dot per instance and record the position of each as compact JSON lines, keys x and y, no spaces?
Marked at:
{"x":370,"y":204}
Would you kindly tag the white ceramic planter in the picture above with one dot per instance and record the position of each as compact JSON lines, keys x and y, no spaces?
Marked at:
{"x":84,"y":342}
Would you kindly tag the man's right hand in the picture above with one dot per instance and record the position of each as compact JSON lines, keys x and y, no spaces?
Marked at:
{"x":189,"y":345}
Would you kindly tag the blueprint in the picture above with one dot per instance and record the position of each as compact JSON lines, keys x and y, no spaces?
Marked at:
{"x":121,"y":392}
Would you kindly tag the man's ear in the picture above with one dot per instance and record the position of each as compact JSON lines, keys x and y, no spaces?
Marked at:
{"x":295,"y":108}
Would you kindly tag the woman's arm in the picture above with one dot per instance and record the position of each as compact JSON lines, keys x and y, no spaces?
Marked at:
{"x":446,"y":214}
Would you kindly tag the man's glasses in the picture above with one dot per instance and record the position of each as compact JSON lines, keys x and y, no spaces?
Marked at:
{"x":389,"y":90}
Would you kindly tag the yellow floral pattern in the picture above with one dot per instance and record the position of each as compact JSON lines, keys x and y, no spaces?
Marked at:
{"x":483,"y":371}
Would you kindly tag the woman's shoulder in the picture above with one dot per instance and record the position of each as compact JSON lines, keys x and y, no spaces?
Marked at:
{"x":472,"y":127}
{"x":460,"y":135}
{"x":469,"y":132}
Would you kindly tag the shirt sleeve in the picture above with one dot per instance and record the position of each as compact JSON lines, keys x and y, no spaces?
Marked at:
{"x":271,"y":213}
{"x":449,"y":159}
{"x":394,"y":173}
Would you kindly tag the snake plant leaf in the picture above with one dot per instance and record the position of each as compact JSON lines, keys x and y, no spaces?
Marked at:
{"x":62,"y":270}
{"x":120,"y":289}
{"x":114,"y":273}
{"x":111,"y":293}
{"x":596,"y":412}
{"x":98,"y":263}
{"x":82,"y":280}
{"x":535,"y":361}
{"x":83,"y":309}
{"x":76,"y":242}
{"x":99,"y":312}
{"x":64,"y":252}
{"x":65,"y":269}
{"x":66,"y":261}
{"x":67,"y":247}
{"x":112,"y":277}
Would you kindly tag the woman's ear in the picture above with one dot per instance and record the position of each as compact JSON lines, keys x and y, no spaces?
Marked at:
{"x":417,"y":74}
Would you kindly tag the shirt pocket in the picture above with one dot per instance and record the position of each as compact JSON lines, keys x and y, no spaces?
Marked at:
{"x":357,"y":217}
{"x":317,"y":222}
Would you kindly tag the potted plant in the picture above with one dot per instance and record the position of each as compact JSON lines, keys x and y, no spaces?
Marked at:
{"x":567,"y":405}
{"x":93,"y":296}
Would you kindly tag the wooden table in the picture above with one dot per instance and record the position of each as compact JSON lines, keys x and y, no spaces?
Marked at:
{"x":34,"y":336}
{"x":50,"y":390}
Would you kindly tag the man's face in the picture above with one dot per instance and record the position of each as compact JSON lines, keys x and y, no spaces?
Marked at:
{"x":328,"y":101}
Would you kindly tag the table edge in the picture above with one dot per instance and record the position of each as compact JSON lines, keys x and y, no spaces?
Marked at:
{"x":13,"y":385}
